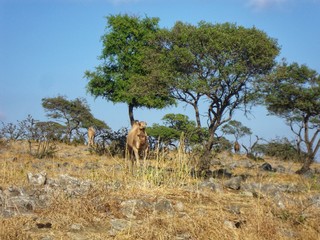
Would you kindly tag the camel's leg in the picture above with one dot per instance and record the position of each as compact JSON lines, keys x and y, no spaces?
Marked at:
{"x":136,"y":154}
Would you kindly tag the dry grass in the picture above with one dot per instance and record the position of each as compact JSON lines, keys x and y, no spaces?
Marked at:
{"x":202,"y":214}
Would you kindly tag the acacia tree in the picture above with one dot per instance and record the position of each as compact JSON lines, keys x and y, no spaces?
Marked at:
{"x":218,"y":64}
{"x":292,"y":92}
{"x":75,"y":114}
{"x":236,"y":129}
{"x":174,"y":126}
{"x":125,"y":74}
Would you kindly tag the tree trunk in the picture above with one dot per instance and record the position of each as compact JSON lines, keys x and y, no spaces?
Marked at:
{"x":310,"y":155}
{"x":131,"y":117}
{"x":204,"y":161}
{"x":196,"y":109}
{"x":306,"y":165}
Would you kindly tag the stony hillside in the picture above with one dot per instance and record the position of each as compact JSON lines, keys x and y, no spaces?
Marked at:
{"x":78,"y":195}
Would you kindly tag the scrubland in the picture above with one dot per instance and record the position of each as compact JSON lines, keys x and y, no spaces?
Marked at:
{"x":158,"y":201}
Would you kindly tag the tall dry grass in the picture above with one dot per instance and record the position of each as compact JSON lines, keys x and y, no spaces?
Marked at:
{"x":199,"y":213}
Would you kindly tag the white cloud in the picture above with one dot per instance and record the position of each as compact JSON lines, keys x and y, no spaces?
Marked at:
{"x":262,"y":4}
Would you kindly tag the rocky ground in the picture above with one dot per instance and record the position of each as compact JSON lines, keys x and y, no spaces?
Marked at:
{"x":78,"y":195}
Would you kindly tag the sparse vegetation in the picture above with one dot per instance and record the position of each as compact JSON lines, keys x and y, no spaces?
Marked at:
{"x":52,"y":186}
{"x":169,"y":202}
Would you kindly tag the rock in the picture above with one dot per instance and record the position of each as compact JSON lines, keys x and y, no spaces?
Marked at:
{"x":163,"y":206}
{"x":70,"y":185}
{"x":13,"y":192}
{"x":179,"y":206}
{"x":233,"y":224}
{"x":76,"y":227}
{"x":234,"y":183}
{"x":280,"y":169}
{"x":118,"y":225}
{"x":211,"y":184}
{"x":288,"y":234}
{"x":229,"y":224}
{"x":44,"y":225}
{"x":183,"y":236}
{"x":221,"y":173}
{"x":91,"y":166}
{"x":134,"y":208}
{"x":314,"y":200}
{"x":208,"y":185}
{"x":242,"y":163}
{"x":47,"y":238}
{"x":37,"y":179}
{"x":266,"y":167}
{"x":21,"y":204}
{"x":235,"y":209}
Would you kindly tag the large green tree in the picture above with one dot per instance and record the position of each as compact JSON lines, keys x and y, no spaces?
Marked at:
{"x":216,"y":65}
{"x":292,"y":92}
{"x":130,"y":71}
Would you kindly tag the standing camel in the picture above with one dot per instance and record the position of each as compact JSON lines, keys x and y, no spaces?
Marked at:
{"x":236,"y":147}
{"x":91,"y":135}
{"x":137,"y":141}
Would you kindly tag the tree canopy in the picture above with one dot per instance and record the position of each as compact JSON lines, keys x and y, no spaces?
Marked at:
{"x":217,"y":65}
{"x":174,"y":126}
{"x":235,"y":128}
{"x":292,"y":91}
{"x":75,"y":114}
{"x":125,"y":74}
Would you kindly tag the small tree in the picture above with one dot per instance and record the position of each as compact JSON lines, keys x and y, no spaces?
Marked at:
{"x":236,"y":129}
{"x":75,"y":114}
{"x":280,"y":148}
{"x":292,"y":92}
{"x":50,"y":131}
{"x":174,"y":126}
{"x":24,"y":129}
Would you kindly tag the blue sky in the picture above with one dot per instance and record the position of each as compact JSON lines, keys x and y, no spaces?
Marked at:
{"x":47,"y":45}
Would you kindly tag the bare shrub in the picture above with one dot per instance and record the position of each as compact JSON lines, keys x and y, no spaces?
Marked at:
{"x":42,"y":149}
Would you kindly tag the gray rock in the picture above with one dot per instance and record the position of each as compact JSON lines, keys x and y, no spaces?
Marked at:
{"x":76,"y":227}
{"x":70,"y":185}
{"x":229,"y":224}
{"x":37,"y":179}
{"x":207,"y":185}
{"x":235,"y":209}
{"x":221,"y":173}
{"x":211,"y":185}
{"x":183,"y":236}
{"x":234,"y":183}
{"x":315,"y":200}
{"x":163,"y":206}
{"x":179,"y":206}
{"x":21,"y":204}
{"x":280,"y":169}
{"x":118,"y":225}
{"x":242,"y":163}
{"x":133,"y":208}
{"x":91,"y":165}
{"x":13,"y":192}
